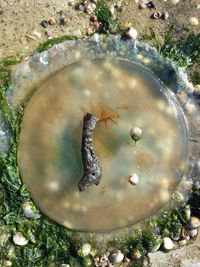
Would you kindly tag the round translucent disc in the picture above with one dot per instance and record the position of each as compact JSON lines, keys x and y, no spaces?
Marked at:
{"x":122,"y":95}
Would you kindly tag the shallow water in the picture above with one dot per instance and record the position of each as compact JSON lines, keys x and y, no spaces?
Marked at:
{"x":122,"y":95}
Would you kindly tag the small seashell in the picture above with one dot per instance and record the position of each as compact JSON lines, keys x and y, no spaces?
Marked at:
{"x":156,"y":15}
{"x":167,"y":243}
{"x":19,"y":239}
{"x":133,"y":179}
{"x":136,"y":133}
{"x":194,"y":222}
{"x":52,"y":21}
{"x":193,"y":232}
{"x":165,"y":15}
{"x":116,"y":257}
{"x":86,"y":248}
{"x":132,"y":33}
{"x":194,"y":21}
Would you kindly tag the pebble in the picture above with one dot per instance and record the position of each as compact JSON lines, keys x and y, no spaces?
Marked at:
{"x":193,"y":232}
{"x":165,"y":15}
{"x":133,"y":179}
{"x":29,"y":212}
{"x":136,"y":254}
{"x":116,"y":257}
{"x":174,"y":2}
{"x":197,"y":89}
{"x":194,"y":222}
{"x":151,"y":5}
{"x":20,"y":240}
{"x":196,"y":185}
{"x":52,"y":21}
{"x":89,"y":9}
{"x":194,"y":21}
{"x":86,"y":248}
{"x":44,"y":23}
{"x":96,"y":25}
{"x":1,"y":10}
{"x":167,"y":243}
{"x":132,"y":33}
{"x":136,"y":133}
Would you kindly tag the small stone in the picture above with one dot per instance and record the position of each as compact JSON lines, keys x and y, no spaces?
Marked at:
{"x":194,"y":222}
{"x":80,"y":7}
{"x":197,"y":89}
{"x":86,"y":248}
{"x":20,"y":240}
{"x":44,"y":23}
{"x":174,"y":2}
{"x":193,"y":232}
{"x":194,"y":21}
{"x":156,"y":15}
{"x":136,"y":133}
{"x":52,"y":21}
{"x":165,"y":15}
{"x":133,"y":179}
{"x":136,"y":254}
{"x":167,"y":243}
{"x":142,"y":6}
{"x":28,"y":211}
{"x":89,"y":9}
{"x":132,"y":33}
{"x":127,"y":25}
{"x":1,"y":10}
{"x":116,"y":257}
{"x":151,"y":5}
{"x":63,"y":21}
{"x":96,"y":25}
{"x":182,"y":242}
{"x":93,"y":18}
{"x":196,"y":185}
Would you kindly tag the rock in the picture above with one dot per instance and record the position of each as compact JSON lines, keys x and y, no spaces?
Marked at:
{"x":197,"y":89}
{"x":1,"y":10}
{"x":193,"y":232}
{"x":136,"y":254}
{"x":194,"y":222}
{"x":52,"y":21}
{"x":156,"y":15}
{"x":132,"y":34}
{"x":29,"y":213}
{"x":20,"y":240}
{"x":44,"y":23}
{"x":136,"y":133}
{"x":86,"y":248}
{"x":151,"y":5}
{"x":116,"y":257}
{"x":165,"y":15}
{"x":167,"y":243}
{"x":194,"y":21}
{"x":133,"y":179}
{"x":96,"y":25}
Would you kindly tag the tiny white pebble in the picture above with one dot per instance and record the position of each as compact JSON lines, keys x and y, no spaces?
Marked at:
{"x":86,"y":248}
{"x":132,"y":33}
{"x":133,"y":179}
{"x":193,"y":232}
{"x":194,"y":21}
{"x":167,"y":243}
{"x":136,"y":133}
{"x":19,"y":239}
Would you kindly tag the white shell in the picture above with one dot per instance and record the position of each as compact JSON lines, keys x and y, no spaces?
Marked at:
{"x":194,"y":21}
{"x":116,"y":257}
{"x":86,"y":248}
{"x":19,"y":239}
{"x":193,"y":232}
{"x":29,"y":213}
{"x":167,"y":243}
{"x":132,"y":33}
{"x":136,"y":132}
{"x":133,"y":179}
